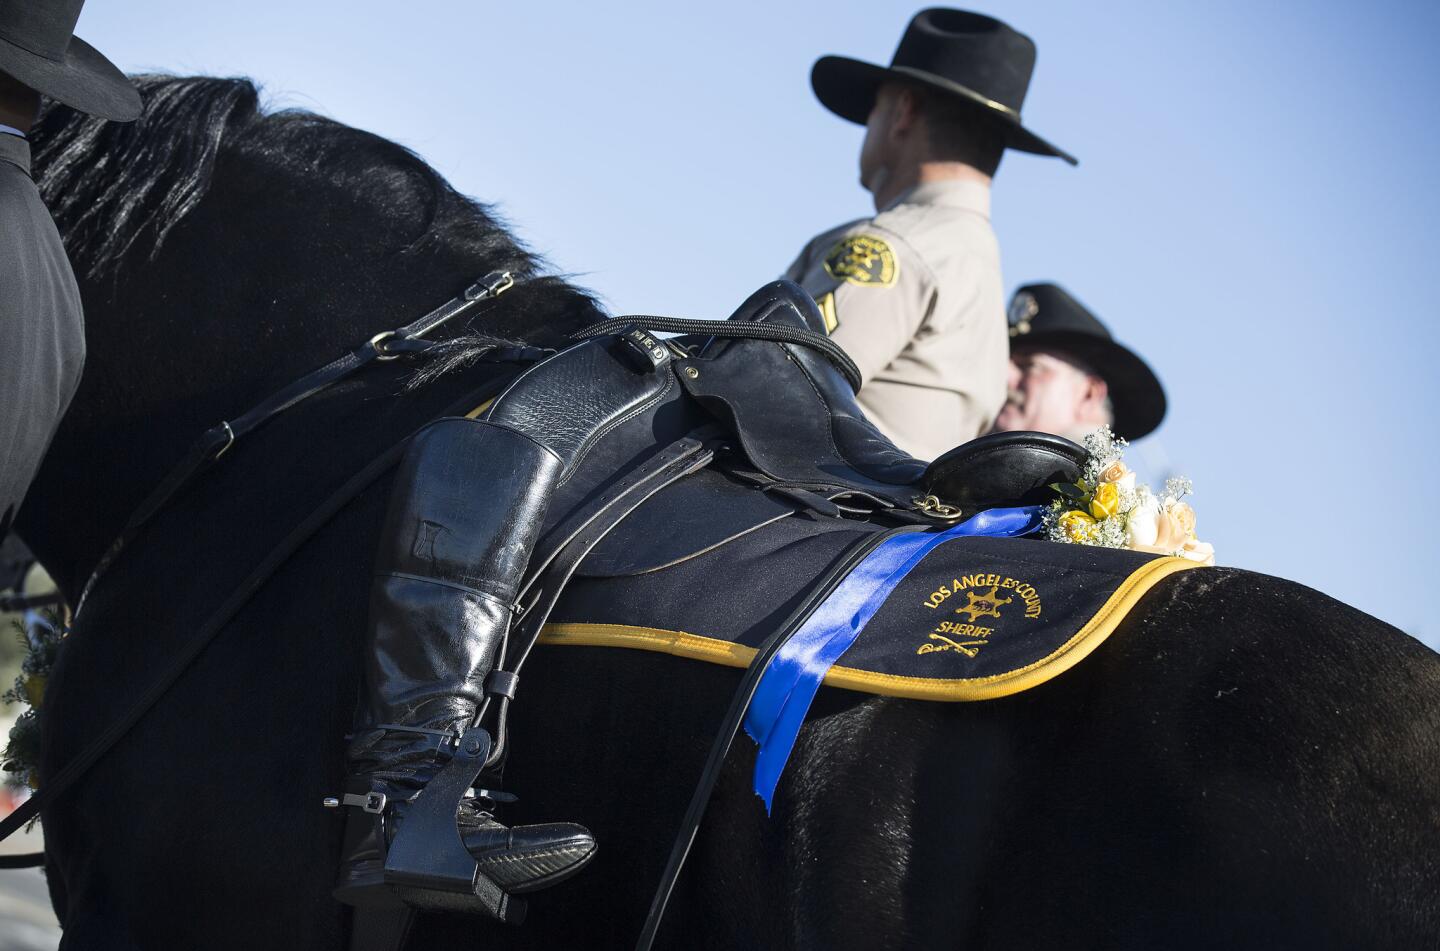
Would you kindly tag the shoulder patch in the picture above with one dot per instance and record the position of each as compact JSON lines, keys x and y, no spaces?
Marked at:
{"x":862,"y":259}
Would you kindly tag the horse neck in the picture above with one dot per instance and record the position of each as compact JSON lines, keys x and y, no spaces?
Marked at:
{"x":147,"y":395}
{"x":308,"y":239}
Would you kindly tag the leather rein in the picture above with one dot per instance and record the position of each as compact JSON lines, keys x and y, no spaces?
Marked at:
{"x":210,"y":447}
{"x":217,"y":440}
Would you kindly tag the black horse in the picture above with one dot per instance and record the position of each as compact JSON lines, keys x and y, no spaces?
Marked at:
{"x":1245,"y":763}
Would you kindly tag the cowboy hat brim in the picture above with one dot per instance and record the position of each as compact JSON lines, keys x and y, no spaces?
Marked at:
{"x":84,"y":80}
{"x":1135,"y":392}
{"x":847,"y":87}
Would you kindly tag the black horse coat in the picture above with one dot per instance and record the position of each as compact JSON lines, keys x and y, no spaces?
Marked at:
{"x":1245,"y":763}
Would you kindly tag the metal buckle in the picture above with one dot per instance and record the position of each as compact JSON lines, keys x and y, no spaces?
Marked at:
{"x":371,"y":802}
{"x":374,"y":344}
{"x":932,"y":506}
{"x":491,"y":285}
{"x":230,"y":441}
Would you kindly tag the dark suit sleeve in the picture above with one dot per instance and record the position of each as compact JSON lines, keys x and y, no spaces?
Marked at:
{"x":42,"y":335}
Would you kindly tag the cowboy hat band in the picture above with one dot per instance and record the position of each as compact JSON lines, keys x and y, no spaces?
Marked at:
{"x":967,"y":56}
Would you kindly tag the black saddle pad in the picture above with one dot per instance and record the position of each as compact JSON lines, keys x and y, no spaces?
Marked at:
{"x":978,"y":618}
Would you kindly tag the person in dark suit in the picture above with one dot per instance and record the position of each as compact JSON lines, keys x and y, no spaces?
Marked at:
{"x":42,"y":329}
{"x":1068,"y":376}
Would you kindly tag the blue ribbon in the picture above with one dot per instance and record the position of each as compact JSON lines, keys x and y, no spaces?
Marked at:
{"x":788,"y":686}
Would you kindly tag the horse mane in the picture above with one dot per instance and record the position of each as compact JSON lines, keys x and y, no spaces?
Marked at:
{"x":118,"y":190}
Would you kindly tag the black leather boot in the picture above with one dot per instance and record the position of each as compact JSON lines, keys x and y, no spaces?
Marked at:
{"x":467,"y":506}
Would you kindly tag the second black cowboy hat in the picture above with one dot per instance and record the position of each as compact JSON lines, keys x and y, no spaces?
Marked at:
{"x":38,"y":47}
{"x":967,"y":56}
{"x":1045,"y":317}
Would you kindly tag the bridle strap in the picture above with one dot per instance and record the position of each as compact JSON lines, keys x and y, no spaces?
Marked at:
{"x":217,"y":440}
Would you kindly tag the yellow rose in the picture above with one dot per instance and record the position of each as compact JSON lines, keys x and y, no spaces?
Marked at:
{"x":1106,"y":500}
{"x":1076,"y":525}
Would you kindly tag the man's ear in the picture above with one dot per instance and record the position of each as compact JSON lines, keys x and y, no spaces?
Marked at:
{"x":905,"y":113}
{"x":1096,"y":392}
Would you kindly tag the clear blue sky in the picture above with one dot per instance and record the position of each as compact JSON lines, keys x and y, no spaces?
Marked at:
{"x":1255,"y":210}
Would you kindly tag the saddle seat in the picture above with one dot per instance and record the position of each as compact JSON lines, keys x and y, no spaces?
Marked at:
{"x":799,"y":421}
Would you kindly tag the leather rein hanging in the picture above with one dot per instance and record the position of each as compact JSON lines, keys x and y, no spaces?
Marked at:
{"x":212,"y":445}
{"x":217,"y":440}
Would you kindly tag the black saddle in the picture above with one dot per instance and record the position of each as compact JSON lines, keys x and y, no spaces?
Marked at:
{"x":783,"y":417}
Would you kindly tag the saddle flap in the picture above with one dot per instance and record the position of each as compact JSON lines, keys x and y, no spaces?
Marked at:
{"x":696,"y":515}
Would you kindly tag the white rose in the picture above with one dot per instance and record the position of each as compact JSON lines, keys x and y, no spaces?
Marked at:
{"x":1143,"y":525}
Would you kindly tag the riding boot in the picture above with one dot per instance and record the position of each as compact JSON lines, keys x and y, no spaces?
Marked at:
{"x":467,"y":506}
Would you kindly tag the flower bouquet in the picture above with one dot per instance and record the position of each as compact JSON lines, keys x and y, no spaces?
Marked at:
{"x":1106,"y":507}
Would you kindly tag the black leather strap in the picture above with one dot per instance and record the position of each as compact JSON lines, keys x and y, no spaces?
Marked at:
{"x":690,"y":825}
{"x":217,"y":440}
{"x":576,"y":537}
{"x":738,"y":329}
{"x":56,"y":785}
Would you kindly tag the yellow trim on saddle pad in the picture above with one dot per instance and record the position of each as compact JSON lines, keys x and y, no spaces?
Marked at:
{"x":716,"y":651}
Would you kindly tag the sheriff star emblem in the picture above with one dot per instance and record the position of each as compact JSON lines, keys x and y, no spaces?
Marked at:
{"x":984,"y":605}
{"x":1023,"y":308}
{"x":862,"y":259}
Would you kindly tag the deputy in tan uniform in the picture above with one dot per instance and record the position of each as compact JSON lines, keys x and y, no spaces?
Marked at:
{"x":915,"y":294}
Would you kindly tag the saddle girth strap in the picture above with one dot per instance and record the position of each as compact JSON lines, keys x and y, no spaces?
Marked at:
{"x":730,"y":726}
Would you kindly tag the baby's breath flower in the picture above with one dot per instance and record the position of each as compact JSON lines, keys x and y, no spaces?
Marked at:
{"x":1176,"y":488}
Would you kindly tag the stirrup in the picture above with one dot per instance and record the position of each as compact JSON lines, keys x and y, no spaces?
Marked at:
{"x":427,"y":864}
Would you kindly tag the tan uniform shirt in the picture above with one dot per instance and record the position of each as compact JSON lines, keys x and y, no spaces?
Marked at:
{"x":914,"y":295}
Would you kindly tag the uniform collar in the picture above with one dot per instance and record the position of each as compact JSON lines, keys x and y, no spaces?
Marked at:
{"x":950,"y":193}
{"x":16,"y":151}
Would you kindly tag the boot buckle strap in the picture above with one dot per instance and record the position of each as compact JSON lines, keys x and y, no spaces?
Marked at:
{"x":371,"y":802}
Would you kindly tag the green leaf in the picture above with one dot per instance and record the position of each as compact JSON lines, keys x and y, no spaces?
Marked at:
{"x":1069,"y":490}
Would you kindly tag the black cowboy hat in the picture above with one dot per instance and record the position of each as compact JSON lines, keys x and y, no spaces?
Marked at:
{"x":967,"y":56}
{"x":1045,"y":317}
{"x":39,"y":48}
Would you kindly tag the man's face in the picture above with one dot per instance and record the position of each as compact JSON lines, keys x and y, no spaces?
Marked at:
{"x":1047,"y":393}
{"x":875,"y":151}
